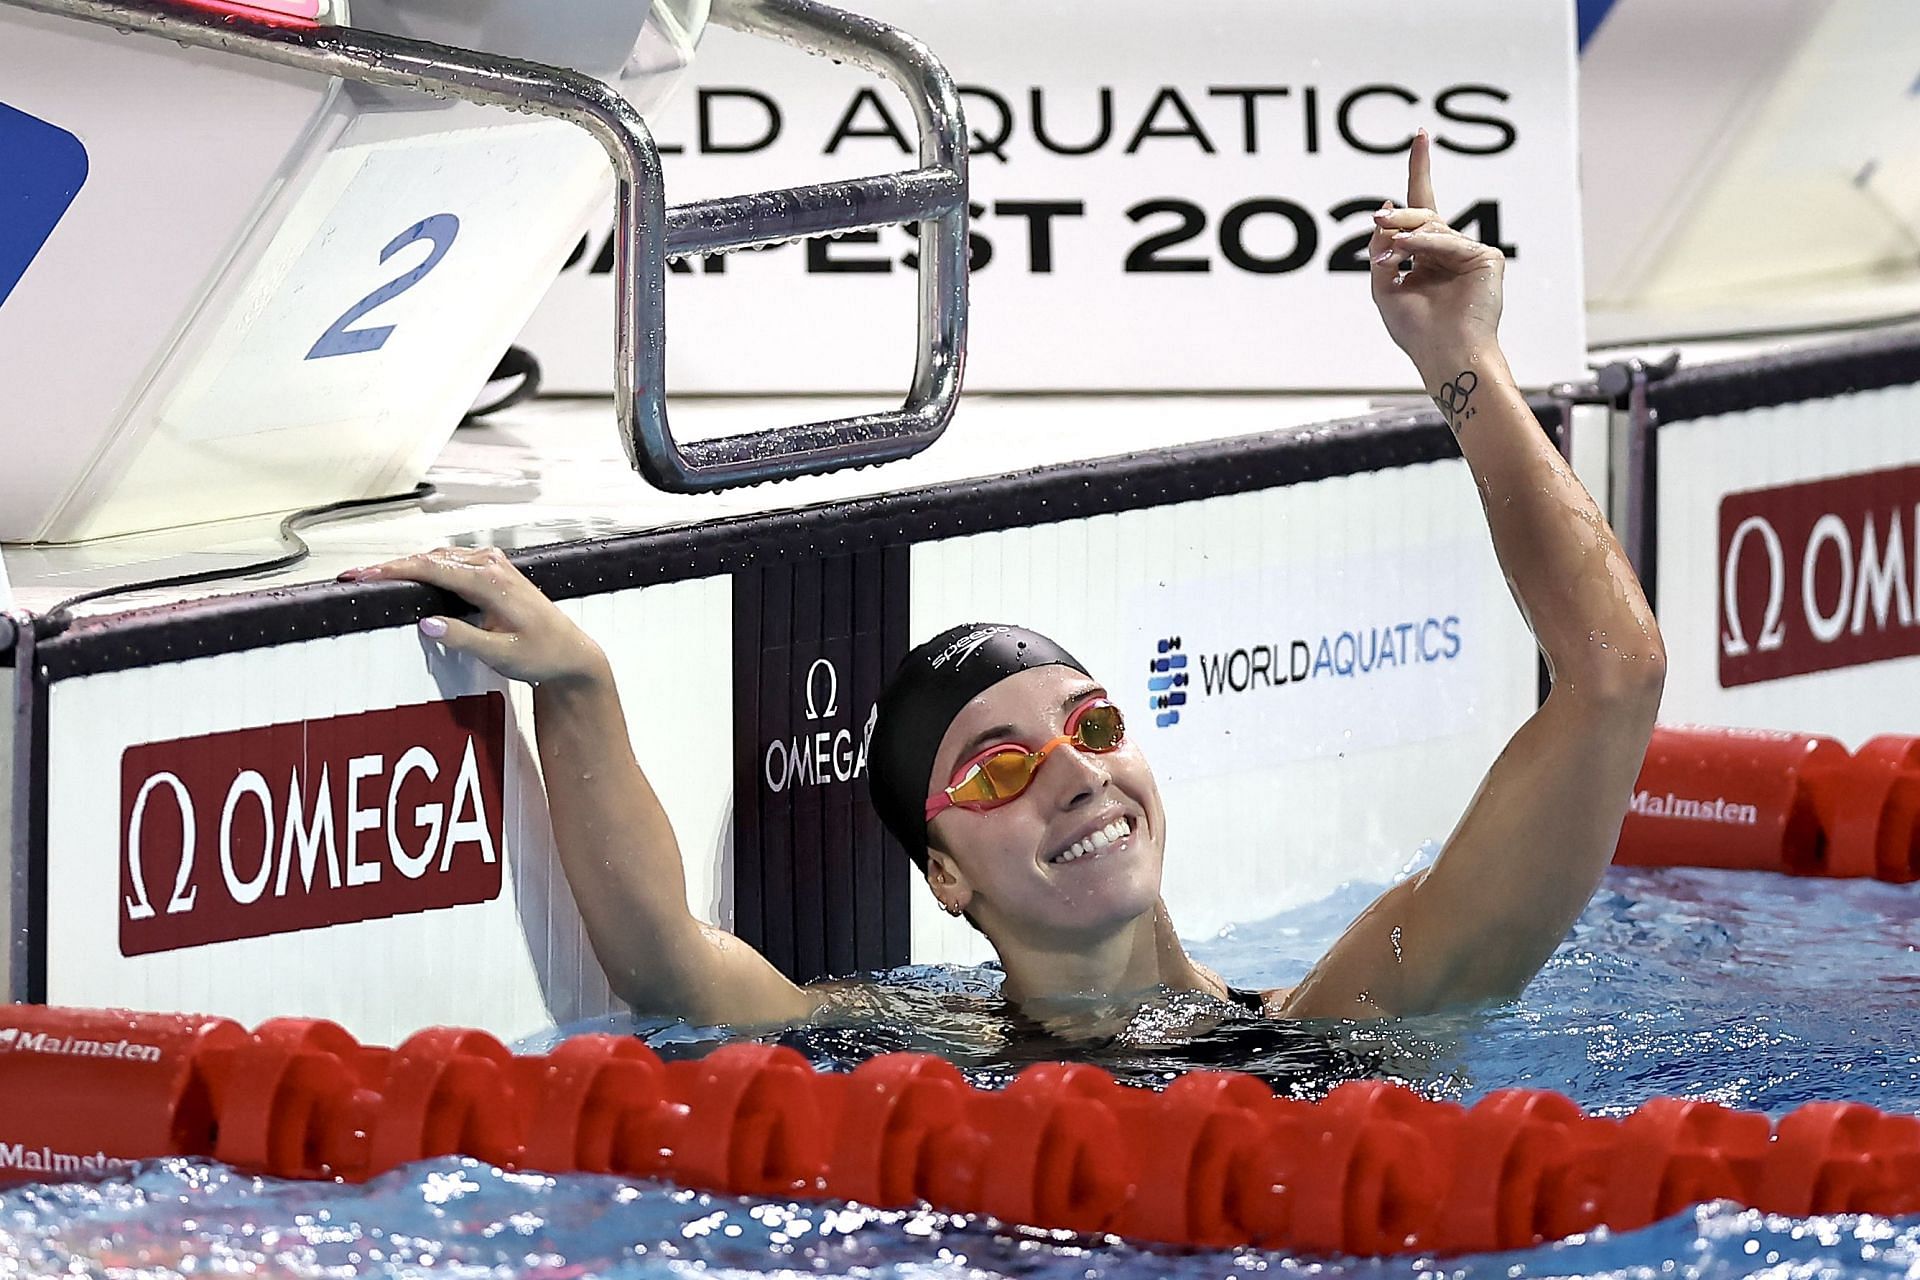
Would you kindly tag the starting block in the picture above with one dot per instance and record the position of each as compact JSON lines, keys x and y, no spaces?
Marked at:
{"x":250,"y":284}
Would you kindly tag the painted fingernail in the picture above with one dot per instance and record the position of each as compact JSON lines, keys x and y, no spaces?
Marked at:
{"x":1403,"y":235}
{"x":435,"y":627}
{"x":1385,"y":255}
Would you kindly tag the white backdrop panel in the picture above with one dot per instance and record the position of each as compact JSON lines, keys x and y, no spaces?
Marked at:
{"x":1169,"y":197}
{"x":1702,"y":461}
{"x":1276,"y":793}
{"x":512,"y":965}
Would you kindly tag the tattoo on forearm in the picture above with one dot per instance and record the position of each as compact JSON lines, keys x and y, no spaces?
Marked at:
{"x":1455,"y":399}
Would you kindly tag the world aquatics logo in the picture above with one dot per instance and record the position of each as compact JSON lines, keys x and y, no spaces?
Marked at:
{"x":1167,"y":682}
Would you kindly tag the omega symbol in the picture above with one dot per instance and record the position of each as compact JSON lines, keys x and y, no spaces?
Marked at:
{"x":1772,"y":635}
{"x":832,"y":686}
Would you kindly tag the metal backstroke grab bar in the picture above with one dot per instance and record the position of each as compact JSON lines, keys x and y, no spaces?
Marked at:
{"x":647,"y":233}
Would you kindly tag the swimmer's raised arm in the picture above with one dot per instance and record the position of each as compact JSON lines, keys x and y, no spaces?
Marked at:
{"x":1534,"y":842}
{"x":614,"y":840}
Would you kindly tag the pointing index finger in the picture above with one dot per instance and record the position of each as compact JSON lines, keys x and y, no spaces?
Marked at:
{"x":1420,"y":172}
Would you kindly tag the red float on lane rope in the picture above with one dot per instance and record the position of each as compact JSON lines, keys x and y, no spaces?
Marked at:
{"x":1761,"y":800}
{"x":83,"y":1091}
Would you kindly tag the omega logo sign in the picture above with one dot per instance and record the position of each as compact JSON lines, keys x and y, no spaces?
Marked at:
{"x":320,"y":822}
{"x":818,"y":755}
{"x":1819,"y":576}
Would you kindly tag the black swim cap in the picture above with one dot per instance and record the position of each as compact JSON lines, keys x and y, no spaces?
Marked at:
{"x":927,"y":691}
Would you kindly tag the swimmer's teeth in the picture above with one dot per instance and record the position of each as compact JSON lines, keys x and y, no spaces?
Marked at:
{"x":1112,"y":833}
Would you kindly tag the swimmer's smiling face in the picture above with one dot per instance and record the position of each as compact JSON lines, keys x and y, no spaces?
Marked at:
{"x":1047,"y":862}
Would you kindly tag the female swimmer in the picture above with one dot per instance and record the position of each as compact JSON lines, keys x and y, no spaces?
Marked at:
{"x":999,"y":764}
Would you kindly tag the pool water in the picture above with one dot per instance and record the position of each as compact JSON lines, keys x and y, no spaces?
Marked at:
{"x":1755,"y":991}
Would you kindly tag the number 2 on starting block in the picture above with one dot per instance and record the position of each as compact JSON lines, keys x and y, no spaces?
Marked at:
{"x":403,"y":259}
{"x":338,"y":340}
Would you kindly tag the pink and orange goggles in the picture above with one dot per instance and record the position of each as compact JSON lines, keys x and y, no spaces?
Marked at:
{"x":999,"y":774}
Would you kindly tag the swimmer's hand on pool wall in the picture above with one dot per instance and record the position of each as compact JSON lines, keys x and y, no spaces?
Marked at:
{"x":521,"y":634}
{"x":1534,"y":842}
{"x":613,"y":837}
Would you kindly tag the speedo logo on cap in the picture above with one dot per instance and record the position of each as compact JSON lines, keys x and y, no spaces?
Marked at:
{"x":966,"y":646}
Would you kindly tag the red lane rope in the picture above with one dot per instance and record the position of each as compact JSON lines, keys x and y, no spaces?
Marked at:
{"x":1215,"y":1161}
{"x":1757,"y":799}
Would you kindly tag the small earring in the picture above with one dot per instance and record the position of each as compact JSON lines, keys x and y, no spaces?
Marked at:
{"x":953,"y":909}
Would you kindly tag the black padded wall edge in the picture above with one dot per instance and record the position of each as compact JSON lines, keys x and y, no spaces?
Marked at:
{"x":1812,"y":373}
